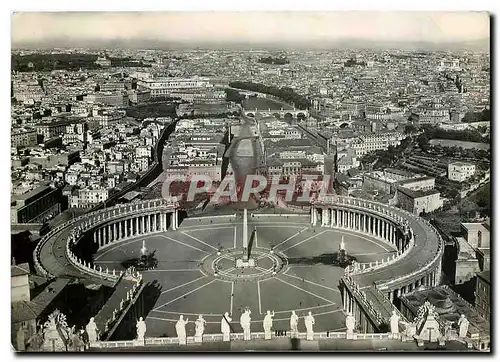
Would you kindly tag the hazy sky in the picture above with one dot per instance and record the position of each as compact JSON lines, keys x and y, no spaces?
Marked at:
{"x":252,"y":26}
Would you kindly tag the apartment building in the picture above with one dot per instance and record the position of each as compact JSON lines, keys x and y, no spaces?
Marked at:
{"x":23,"y":137}
{"x":36,"y":205}
{"x":460,"y":171}
{"x":418,"y":201}
{"x":162,"y":87}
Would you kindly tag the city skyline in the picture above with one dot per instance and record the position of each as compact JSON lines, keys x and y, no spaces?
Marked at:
{"x":84,"y":28}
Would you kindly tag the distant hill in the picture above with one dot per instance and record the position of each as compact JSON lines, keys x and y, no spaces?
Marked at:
{"x":160,"y":44}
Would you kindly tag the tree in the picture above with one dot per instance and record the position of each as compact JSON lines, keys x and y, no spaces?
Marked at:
{"x":409,"y":128}
{"x":423,"y":142}
{"x":454,"y":193}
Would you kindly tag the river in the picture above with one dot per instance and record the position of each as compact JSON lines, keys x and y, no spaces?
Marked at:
{"x":264,"y":104}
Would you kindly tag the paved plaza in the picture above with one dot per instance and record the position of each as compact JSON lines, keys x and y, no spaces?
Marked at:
{"x":197,"y":275}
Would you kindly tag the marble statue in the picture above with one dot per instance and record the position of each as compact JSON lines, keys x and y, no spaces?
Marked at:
{"x":267,"y":323}
{"x":20,"y":339}
{"x":35,"y":342}
{"x":245,"y":321}
{"x":447,"y":329}
{"x":180,"y":328}
{"x":463,"y":325}
{"x":427,"y":323}
{"x":55,"y":332}
{"x":309,"y":322}
{"x":92,"y":330}
{"x":141,"y":329}
{"x":410,"y":330}
{"x":394,"y":321}
{"x":199,"y":328}
{"x":350,"y":323}
{"x":225,"y":327}
{"x":294,"y":323}
{"x":75,"y":340}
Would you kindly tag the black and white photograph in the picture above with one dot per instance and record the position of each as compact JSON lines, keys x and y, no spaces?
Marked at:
{"x":250,"y":181}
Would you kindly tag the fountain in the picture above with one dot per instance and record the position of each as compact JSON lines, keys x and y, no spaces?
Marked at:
{"x":147,"y":261}
{"x":342,"y":259}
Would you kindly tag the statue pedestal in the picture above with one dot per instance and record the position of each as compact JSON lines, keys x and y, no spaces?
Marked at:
{"x":139,"y":342}
{"x":267,"y":335}
{"x":182,"y":341}
{"x":442,"y":341}
{"x":246,"y":336}
{"x":241,"y":263}
{"x":420,"y":342}
{"x":226,"y":337}
{"x":351,"y":335}
{"x":198,"y":339}
{"x":310,"y":336}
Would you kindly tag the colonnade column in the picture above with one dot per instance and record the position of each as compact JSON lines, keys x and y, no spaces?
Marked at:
{"x":331,"y":218}
{"x":173,"y":215}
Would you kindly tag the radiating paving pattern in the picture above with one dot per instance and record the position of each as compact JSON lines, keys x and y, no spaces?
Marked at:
{"x":298,"y":275}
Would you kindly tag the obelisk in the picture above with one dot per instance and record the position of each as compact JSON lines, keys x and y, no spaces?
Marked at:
{"x":245,"y":235}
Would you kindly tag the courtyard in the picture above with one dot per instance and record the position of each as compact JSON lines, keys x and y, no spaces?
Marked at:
{"x":196,"y":271}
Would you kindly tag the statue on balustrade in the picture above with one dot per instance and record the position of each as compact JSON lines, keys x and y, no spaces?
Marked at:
{"x":55,"y":333}
{"x":75,"y":340}
{"x":92,"y":331}
{"x":427,"y":323}
{"x":410,"y":329}
{"x":225,"y":327}
{"x":463,"y":325}
{"x":350,"y":323}
{"x":394,"y":322}
{"x":268,"y":324}
{"x":199,"y":328}
{"x":180,"y":328}
{"x":245,"y":322}
{"x":294,"y":323}
{"x":309,"y":322}
{"x":141,"y":329}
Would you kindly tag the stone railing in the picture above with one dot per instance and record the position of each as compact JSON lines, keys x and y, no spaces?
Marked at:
{"x":113,"y":321}
{"x":209,"y":338}
{"x":394,"y":214}
{"x":380,"y":210}
{"x":88,"y":221}
{"x":274,"y":215}
{"x":370,"y":308}
{"x":360,"y":268}
{"x":430,"y":264}
{"x":215,"y":217}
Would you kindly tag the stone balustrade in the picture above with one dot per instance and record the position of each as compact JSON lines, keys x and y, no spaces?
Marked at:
{"x":359,"y":268}
{"x":431,"y":264}
{"x":96,"y":220}
{"x":390,"y":225}
{"x":210,"y":338}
